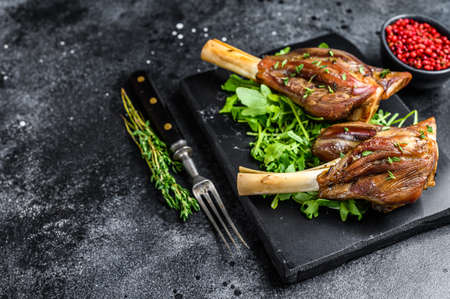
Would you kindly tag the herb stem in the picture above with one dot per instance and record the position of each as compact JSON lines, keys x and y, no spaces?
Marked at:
{"x":157,"y":157}
{"x":297,"y":117}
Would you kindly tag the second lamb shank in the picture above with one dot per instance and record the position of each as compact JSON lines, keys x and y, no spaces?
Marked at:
{"x":389,"y":169}
{"x":327,"y":83}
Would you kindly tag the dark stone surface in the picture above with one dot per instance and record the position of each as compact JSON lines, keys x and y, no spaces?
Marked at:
{"x":78,"y":216}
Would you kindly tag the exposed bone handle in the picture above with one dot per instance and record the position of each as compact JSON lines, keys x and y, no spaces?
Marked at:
{"x":230,"y":58}
{"x":253,"y":182}
{"x":274,"y":183}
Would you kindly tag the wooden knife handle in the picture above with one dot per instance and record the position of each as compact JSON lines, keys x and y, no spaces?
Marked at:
{"x":141,"y":90}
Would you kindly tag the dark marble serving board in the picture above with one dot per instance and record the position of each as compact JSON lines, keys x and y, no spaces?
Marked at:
{"x":300,"y":248}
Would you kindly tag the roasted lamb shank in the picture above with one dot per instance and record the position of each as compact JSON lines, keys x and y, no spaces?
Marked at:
{"x":328,"y":83}
{"x":389,"y":169}
{"x":338,"y":139}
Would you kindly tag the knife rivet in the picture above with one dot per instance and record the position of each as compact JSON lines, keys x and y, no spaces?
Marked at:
{"x":140,"y":79}
{"x":167,"y":126}
{"x":153,"y":100}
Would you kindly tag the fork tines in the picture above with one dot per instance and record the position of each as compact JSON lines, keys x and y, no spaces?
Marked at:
{"x":202,"y":192}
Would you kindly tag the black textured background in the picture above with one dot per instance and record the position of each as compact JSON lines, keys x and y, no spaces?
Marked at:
{"x":78,"y":216}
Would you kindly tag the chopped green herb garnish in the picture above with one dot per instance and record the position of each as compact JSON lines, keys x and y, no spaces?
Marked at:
{"x":283,"y":63}
{"x":341,"y":155}
{"x":311,"y":78}
{"x":323,"y":66}
{"x":292,"y":75}
{"x":366,"y":153}
{"x":384,"y":73}
{"x":283,"y":51}
{"x":422,"y":134}
{"x":346,"y":129}
{"x":307,"y":92}
{"x":393,"y":159}
{"x":430,"y":129}
{"x":326,"y":71}
{"x":344,"y":77}
{"x":399,"y":147}
{"x":391,"y":176}
{"x":361,"y":70}
{"x":315,"y":61}
{"x":277,"y":64}
{"x":285,"y":80}
{"x":324,"y":46}
{"x":321,"y":86}
{"x":331,"y":53}
{"x":306,"y":55}
{"x":330,"y":90}
{"x":299,"y":68}
{"x":385,"y":128}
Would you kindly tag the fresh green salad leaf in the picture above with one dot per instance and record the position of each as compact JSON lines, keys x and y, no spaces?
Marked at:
{"x":283,"y":51}
{"x":254,"y":100}
{"x":235,"y":81}
{"x":284,"y":135}
{"x":388,"y":119}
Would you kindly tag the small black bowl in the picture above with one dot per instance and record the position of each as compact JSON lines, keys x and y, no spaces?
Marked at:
{"x":422,"y":79}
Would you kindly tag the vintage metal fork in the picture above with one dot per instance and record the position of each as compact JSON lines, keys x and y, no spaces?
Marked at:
{"x":202,"y":189}
{"x":142,"y":89}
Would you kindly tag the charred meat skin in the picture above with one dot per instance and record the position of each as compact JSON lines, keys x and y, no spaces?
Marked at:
{"x":390,"y":169}
{"x":333,"y":87}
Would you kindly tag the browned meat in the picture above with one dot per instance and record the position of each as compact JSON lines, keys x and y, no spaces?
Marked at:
{"x":340,"y":138}
{"x":337,"y":86}
{"x":390,"y":169}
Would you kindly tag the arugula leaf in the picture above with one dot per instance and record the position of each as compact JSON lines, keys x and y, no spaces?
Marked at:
{"x":301,"y":197}
{"x":230,"y":101}
{"x":273,"y":152}
{"x":265,"y":90}
{"x":311,"y":207}
{"x":283,"y":51}
{"x":274,"y":203}
{"x":235,"y":81}
{"x":256,"y":103}
{"x":343,"y":210}
{"x":296,"y":137}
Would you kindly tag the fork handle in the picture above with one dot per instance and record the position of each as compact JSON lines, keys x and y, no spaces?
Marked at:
{"x":182,"y":152}
{"x":142,"y":90}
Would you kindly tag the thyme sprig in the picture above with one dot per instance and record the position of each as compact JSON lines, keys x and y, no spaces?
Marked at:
{"x":156,"y":154}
